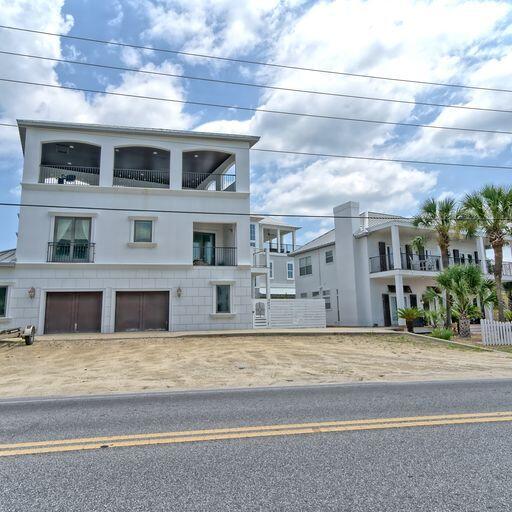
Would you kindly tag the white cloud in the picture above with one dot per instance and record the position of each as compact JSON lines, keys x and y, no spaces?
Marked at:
{"x":118,"y":14}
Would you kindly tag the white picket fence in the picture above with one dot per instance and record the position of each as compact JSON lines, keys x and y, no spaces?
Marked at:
{"x":496,"y":333}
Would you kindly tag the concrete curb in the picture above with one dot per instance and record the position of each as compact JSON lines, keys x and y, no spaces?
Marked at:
{"x":452,"y":342}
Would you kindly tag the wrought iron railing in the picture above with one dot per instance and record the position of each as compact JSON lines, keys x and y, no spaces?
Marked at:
{"x":143,"y":178}
{"x":69,"y":175}
{"x":506,"y":267}
{"x":259,"y":259}
{"x":214,"y":256}
{"x":283,"y":248}
{"x":421,"y":262}
{"x":70,"y":252}
{"x":381,"y":263}
{"x":205,"y":181}
{"x":463,"y":260}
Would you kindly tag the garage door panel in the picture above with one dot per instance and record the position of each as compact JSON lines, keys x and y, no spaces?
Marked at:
{"x":155,"y":311}
{"x":128,"y":311}
{"x":68,"y":312}
{"x":88,"y":314}
{"x":140,"y":311}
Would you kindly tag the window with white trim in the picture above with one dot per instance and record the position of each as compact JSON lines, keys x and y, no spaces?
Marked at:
{"x":329,"y":256}
{"x":3,"y":301}
{"x":142,"y":231}
{"x":252,"y":234}
{"x":304,"y":295}
{"x":222,"y":298}
{"x":289,"y":270}
{"x":305,"y":266}
{"x":327,"y":297}
{"x":315,"y":294}
{"x":271,"y":269}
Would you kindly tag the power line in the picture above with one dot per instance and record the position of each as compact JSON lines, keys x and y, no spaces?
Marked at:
{"x":254,"y":62}
{"x":255,"y":85}
{"x":241,"y":214}
{"x":255,"y":109}
{"x":349,"y":157}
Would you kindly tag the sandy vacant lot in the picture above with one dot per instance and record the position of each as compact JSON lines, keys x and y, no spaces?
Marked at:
{"x":100,"y":366}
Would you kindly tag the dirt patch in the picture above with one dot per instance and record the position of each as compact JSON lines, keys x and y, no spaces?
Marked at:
{"x":102,"y":366}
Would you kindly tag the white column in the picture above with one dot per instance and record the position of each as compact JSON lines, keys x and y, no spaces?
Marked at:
{"x":395,"y":244}
{"x":293,"y":240}
{"x":243,"y":170}
{"x":107,"y":165}
{"x":278,"y":241}
{"x":267,"y":276}
{"x":176,"y":168}
{"x":480,"y":247}
{"x":400,"y":302}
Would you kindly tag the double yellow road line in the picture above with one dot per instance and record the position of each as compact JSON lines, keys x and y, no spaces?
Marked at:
{"x":191,"y":436}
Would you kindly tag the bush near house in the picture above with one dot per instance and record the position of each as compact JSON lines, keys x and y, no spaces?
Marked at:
{"x":442,"y":333}
{"x":410,"y":315}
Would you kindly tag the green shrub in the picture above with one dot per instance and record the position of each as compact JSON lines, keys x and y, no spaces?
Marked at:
{"x":508,"y":315}
{"x":443,"y":334}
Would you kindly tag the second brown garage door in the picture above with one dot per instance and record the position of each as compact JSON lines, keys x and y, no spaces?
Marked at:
{"x":142,"y":311}
{"x":72,"y":312}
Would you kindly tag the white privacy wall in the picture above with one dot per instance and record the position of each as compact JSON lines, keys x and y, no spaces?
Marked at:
{"x":297,"y":313}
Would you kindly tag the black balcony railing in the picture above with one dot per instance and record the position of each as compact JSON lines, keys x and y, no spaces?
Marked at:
{"x":283,"y":249}
{"x":70,"y":252}
{"x":417,"y":262}
{"x":214,"y":256}
{"x":421,"y":262}
{"x":506,"y":269}
{"x":206,"y":181}
{"x":381,"y":263}
{"x":463,"y":260}
{"x":69,"y":175}
{"x":143,"y":178}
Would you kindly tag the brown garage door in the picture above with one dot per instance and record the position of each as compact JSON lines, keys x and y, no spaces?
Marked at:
{"x":142,"y":311}
{"x":72,"y":312}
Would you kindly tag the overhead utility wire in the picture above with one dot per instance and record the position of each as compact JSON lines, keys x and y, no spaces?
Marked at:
{"x":255,"y":85}
{"x":349,"y":157}
{"x":257,"y":109}
{"x":253,"y":62}
{"x":242,"y":214}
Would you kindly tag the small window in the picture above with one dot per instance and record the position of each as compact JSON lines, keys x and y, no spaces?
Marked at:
{"x":143,"y":231}
{"x":327,"y":297}
{"x":305,"y":267}
{"x":289,"y":270}
{"x":315,"y":294}
{"x":3,"y":301}
{"x":253,"y":232}
{"x":329,"y":258}
{"x":223,"y":298}
{"x":304,"y":295}
{"x":271,"y":270}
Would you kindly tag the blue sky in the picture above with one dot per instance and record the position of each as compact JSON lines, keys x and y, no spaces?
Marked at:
{"x":447,"y":41}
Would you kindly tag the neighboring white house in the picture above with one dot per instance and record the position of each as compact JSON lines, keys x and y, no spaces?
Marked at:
{"x":354,"y":267}
{"x":129,"y":233}
{"x":272,"y":236}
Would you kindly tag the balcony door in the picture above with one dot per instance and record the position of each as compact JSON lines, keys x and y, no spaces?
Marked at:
{"x":71,"y":239}
{"x":204,"y":248}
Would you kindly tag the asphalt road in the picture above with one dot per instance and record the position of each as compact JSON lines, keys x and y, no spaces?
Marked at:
{"x":465,"y":467}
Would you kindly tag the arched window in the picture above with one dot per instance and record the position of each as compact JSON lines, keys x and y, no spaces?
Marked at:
{"x":141,"y":166}
{"x":72,"y":163}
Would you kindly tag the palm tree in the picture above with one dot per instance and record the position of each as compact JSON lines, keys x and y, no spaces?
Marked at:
{"x":490,"y":210}
{"x":441,"y":216}
{"x":464,"y":284}
{"x":409,"y":315}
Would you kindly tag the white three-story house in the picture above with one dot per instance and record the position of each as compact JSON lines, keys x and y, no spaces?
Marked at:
{"x":130,"y":229}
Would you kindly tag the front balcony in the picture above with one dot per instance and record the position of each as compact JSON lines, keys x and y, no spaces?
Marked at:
{"x":274,"y":247}
{"x":69,"y":175}
{"x":214,"y":256}
{"x":506,"y":268}
{"x":70,"y":252}
{"x":415,"y":262}
{"x":205,"y":181}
